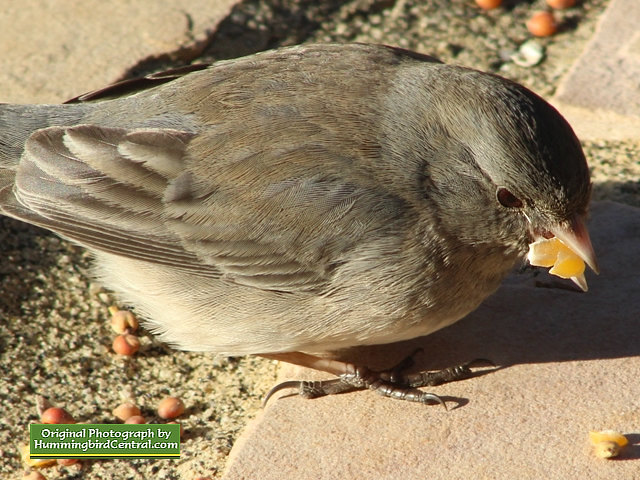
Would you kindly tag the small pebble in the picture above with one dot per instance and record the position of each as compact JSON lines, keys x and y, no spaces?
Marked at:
{"x":135,"y":419}
{"x":561,"y":4}
{"x":56,"y":415}
{"x":488,"y":4}
{"x":126,"y":344}
{"x":170,"y":407}
{"x":529,"y":54}
{"x":542,"y":24}
{"x":125,"y":411}
{"x":123,"y":321}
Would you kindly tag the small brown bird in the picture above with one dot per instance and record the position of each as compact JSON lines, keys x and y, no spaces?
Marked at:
{"x":305,"y":199}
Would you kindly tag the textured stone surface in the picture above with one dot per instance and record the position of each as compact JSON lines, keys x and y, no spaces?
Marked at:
{"x":568,"y":363}
{"x":53,"y":50}
{"x":601,"y":94}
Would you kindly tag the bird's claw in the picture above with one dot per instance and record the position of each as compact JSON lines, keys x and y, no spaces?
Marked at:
{"x":392,"y":383}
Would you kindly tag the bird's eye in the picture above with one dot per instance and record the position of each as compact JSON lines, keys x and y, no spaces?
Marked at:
{"x":508,"y":199}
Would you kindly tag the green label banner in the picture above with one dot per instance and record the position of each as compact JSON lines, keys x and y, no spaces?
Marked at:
{"x":104,"y":441}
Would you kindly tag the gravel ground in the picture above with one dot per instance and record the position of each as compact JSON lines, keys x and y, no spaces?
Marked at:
{"x":54,"y":333}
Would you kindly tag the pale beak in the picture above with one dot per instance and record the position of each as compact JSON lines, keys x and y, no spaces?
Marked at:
{"x":574,"y":234}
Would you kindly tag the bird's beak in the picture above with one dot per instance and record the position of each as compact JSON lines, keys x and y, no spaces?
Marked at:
{"x":574,"y":235}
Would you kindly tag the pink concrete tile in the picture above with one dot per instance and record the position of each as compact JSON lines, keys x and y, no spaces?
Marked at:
{"x":569,"y":363}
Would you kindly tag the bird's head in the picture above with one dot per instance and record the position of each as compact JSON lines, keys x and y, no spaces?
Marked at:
{"x":499,"y":163}
{"x":533,"y":160}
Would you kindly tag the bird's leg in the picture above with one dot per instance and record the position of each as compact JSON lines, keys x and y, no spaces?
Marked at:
{"x":394,"y":382}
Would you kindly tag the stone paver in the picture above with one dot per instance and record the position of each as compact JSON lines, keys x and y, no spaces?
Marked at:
{"x":601,"y":94}
{"x":42,"y":41}
{"x":569,"y":364}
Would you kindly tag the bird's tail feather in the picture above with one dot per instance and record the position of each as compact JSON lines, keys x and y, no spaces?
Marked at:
{"x":18,"y":122}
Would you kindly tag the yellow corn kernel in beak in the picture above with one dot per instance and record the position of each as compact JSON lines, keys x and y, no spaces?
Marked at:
{"x":543,"y":253}
{"x":567,"y":265}
{"x":551,"y":252}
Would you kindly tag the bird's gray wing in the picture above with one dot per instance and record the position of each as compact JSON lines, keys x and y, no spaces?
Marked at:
{"x":102,"y":188}
{"x":279,"y":219}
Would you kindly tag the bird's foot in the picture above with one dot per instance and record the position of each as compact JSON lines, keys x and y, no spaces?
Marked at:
{"x":393,"y":383}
